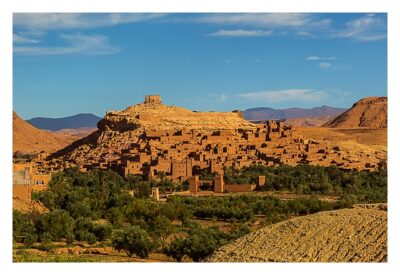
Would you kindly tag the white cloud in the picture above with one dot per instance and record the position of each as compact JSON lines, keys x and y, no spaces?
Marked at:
{"x":263,"y":19}
{"x":20,"y":39}
{"x":240,"y":33}
{"x":315,"y":57}
{"x":62,"y":21}
{"x":77,"y":44}
{"x":304,"y":34}
{"x":220,"y":97}
{"x":297,"y":24}
{"x":325,"y":65}
{"x":366,"y":28}
{"x":303,"y":95}
{"x":223,"y":97}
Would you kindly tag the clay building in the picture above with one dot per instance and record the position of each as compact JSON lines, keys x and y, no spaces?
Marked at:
{"x":152,"y":99}
{"x":25,"y":174}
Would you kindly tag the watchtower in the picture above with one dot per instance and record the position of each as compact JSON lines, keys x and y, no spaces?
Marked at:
{"x":152,"y":99}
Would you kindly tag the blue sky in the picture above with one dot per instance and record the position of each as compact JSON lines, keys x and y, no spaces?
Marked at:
{"x":66,"y":64}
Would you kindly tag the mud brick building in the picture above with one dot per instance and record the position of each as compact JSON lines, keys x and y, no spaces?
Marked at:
{"x":155,"y":140}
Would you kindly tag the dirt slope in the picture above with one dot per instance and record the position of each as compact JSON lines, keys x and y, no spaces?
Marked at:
{"x":28,"y":139}
{"x":369,"y":112}
{"x":347,"y":235}
{"x":309,"y":121}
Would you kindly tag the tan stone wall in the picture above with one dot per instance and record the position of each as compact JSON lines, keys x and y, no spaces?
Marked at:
{"x":22,"y":191}
{"x":194,"y":184}
{"x":240,"y":187}
{"x":219,"y":183}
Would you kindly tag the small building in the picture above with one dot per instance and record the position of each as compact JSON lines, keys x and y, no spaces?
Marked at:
{"x":23,"y":174}
{"x":152,"y":99}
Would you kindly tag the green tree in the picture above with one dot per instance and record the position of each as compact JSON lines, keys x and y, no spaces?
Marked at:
{"x":58,"y":224}
{"x":162,"y":228}
{"x":177,"y":249}
{"x":23,"y":228}
{"x":134,"y":241}
{"x":143,"y":190}
{"x":115,"y":216}
{"x":200,"y":245}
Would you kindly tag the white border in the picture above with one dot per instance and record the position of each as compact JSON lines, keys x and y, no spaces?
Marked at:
{"x":6,"y":10}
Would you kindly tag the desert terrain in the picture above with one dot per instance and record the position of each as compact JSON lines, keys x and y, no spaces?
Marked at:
{"x":29,"y":139}
{"x":347,"y":235}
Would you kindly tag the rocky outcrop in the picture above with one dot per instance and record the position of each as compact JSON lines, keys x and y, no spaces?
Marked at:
{"x":369,"y":112}
{"x":158,"y":117}
{"x":118,"y":129}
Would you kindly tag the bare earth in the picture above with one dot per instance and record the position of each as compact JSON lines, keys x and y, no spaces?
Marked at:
{"x":369,"y":112}
{"x":356,"y":135}
{"x":309,"y":121}
{"x":348,"y":235}
{"x":29,"y":139}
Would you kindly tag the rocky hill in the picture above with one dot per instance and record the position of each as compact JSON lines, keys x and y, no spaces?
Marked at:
{"x":118,"y":129}
{"x":369,"y":112}
{"x":156,"y":117}
{"x":347,"y":235}
{"x":264,"y":113}
{"x":152,"y":137}
{"x":28,"y":139}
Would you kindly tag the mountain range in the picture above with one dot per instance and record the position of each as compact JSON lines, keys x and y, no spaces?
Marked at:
{"x":324,"y":115}
{"x":265,"y":113}
{"x":70,"y":122}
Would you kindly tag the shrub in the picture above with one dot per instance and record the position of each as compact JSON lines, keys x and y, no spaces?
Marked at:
{"x":91,"y":238}
{"x":70,"y":238}
{"x":30,"y":239}
{"x":46,"y":240}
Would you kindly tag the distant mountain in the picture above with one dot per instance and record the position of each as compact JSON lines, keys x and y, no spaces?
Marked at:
{"x":265,"y":113}
{"x":71,"y":122}
{"x":369,"y":112}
